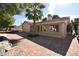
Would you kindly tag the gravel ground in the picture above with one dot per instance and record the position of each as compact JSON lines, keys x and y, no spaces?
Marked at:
{"x":42,"y":46}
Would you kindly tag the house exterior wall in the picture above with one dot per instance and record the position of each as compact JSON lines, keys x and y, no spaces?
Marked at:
{"x":26,"y":27}
{"x":60,"y":34}
{"x":17,"y":28}
{"x":42,"y":28}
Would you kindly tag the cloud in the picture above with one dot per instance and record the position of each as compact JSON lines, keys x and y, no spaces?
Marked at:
{"x":51,"y":8}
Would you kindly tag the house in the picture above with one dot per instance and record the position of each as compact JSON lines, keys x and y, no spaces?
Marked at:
{"x":53,"y":28}
{"x":16,"y":28}
{"x":26,"y":26}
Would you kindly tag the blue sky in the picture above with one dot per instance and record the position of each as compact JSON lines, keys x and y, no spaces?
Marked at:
{"x":69,"y":9}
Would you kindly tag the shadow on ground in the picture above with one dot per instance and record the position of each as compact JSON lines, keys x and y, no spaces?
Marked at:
{"x":11,"y":41}
{"x":57,"y":45}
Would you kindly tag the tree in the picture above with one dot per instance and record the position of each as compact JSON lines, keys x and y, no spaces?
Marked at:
{"x":12,"y":8}
{"x":69,"y":28}
{"x":44,"y":19}
{"x":34,"y":12}
{"x":6,"y":22}
{"x":7,"y":10}
{"x":76,"y":20}
{"x":55,"y":17}
{"x":75,"y":25}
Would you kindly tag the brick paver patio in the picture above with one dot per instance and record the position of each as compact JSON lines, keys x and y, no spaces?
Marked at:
{"x":42,"y":46}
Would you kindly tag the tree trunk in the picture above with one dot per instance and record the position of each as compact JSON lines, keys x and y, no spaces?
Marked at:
{"x":34,"y":23}
{"x":6,"y":28}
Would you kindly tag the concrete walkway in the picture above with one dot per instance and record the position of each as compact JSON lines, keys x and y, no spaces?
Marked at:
{"x":74,"y":48}
{"x":26,"y":47}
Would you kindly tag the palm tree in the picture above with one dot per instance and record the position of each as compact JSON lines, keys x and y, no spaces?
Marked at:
{"x":34,"y":12}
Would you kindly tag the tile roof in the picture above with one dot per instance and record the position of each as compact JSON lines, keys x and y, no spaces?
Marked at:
{"x":49,"y":21}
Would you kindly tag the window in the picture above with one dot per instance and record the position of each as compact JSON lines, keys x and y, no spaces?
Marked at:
{"x":54,"y":28}
{"x":37,"y":28}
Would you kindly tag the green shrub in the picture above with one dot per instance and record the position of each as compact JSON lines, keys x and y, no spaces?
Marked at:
{"x":33,"y":35}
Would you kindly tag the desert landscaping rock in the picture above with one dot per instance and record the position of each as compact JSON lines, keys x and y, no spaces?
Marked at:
{"x":26,"y":47}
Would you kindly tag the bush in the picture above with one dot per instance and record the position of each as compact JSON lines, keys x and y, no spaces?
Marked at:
{"x":14,"y":31}
{"x":69,"y":29}
{"x":33,"y":35}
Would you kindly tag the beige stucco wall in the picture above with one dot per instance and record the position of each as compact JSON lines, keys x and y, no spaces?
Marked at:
{"x":62,"y":30}
{"x":26,"y":27}
{"x":60,"y":34}
{"x":17,"y":28}
{"x":51,"y":34}
{"x":45,"y":25}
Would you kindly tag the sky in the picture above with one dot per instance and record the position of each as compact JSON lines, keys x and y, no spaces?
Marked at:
{"x":71,"y":9}
{"x":61,"y":9}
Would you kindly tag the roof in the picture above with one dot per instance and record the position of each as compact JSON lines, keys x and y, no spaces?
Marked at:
{"x":30,"y":23}
{"x":58,"y":20}
{"x":53,"y":21}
